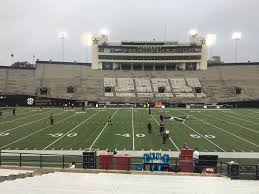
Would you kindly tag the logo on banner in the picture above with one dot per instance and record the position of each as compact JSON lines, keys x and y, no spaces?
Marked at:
{"x":30,"y":101}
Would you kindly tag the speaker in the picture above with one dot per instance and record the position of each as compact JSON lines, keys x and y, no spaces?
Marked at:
{"x":233,"y":170}
{"x":257,"y":171}
{"x":89,"y":159}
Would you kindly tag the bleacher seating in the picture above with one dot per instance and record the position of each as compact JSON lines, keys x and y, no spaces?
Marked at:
{"x":125,"y":94}
{"x":143,"y":85}
{"x":108,"y":94}
{"x":164,"y":95}
{"x":109,"y":82}
{"x":182,"y":89}
{"x":176,"y":82}
{"x":145,"y":95}
{"x":201,"y":95}
{"x":194,"y":82}
{"x":124,"y":85}
{"x":159,"y":82}
{"x":184,"y":95}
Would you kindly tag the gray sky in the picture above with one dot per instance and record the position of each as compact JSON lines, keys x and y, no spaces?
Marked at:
{"x":31,"y":26}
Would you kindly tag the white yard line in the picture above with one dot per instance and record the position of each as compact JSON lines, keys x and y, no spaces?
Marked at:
{"x":204,"y":137}
{"x":133,"y":131}
{"x":70,"y":131}
{"x":24,"y":117}
{"x":244,"y":115}
{"x":233,"y":123}
{"x":28,"y":123}
{"x":35,"y":132}
{"x":226,"y":131}
{"x":201,"y":135}
{"x":242,"y":119}
{"x":169,"y":137}
{"x":102,"y":130}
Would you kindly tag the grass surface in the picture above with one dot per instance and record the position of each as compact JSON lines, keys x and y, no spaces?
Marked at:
{"x":234,"y":130}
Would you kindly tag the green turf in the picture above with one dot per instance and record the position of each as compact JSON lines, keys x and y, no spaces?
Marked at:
{"x":209,"y":130}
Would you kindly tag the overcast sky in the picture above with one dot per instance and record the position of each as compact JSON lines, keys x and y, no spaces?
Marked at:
{"x":31,"y":26}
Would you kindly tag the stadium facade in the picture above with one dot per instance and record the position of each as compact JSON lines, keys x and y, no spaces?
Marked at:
{"x":149,"y":55}
{"x":134,"y":72}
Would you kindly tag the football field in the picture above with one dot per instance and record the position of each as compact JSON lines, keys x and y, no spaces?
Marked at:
{"x":235,"y":130}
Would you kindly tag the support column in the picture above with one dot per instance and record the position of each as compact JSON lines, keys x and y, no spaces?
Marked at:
{"x":143,"y":67}
{"x":154,"y":67}
{"x":165,"y":67}
{"x":120,"y":66}
{"x":131,"y":67}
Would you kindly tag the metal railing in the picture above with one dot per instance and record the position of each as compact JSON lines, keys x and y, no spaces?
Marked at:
{"x":63,"y":161}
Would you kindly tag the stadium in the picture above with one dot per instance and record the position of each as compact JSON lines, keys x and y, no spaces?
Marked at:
{"x":138,"y":113}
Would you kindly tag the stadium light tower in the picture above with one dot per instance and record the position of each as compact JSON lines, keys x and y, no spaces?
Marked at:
{"x":104,"y":32}
{"x":193,"y":33}
{"x":63,"y":36}
{"x":236,"y":36}
{"x":210,"y":42}
{"x":87,"y":42}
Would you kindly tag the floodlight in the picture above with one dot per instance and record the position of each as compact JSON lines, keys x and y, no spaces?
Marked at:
{"x":236,"y":36}
{"x":104,"y":32}
{"x":193,"y":32}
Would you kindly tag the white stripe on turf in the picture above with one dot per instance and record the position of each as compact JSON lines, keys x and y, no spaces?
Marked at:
{"x":27,"y":123}
{"x":204,"y":137}
{"x":232,"y":123}
{"x":226,"y":131}
{"x":102,"y":130}
{"x":36,"y":131}
{"x":24,"y":117}
{"x":133,"y":131}
{"x":69,"y":131}
{"x":201,"y":135}
{"x":242,"y":119}
{"x":169,"y":137}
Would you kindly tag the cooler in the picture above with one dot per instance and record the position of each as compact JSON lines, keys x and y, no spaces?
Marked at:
{"x":123,"y":162}
{"x":105,"y":160}
{"x":186,"y":160}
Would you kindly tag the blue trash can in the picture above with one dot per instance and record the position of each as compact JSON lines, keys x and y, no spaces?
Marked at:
{"x":159,"y":167}
{"x":152,"y":167}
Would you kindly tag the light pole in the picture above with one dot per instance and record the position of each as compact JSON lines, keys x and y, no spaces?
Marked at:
{"x":193,"y":33}
{"x":63,"y":36}
{"x":236,"y":36}
{"x":87,"y":42}
{"x":210,"y":42}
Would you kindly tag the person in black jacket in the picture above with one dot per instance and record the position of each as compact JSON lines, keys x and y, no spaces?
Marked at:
{"x":149,"y":127}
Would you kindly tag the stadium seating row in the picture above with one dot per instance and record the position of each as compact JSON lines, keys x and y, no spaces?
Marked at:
{"x":156,"y":87}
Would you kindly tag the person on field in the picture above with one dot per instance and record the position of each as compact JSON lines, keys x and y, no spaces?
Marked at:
{"x":164,"y":137}
{"x":72,"y":165}
{"x":110,"y":120}
{"x":1,"y":113}
{"x":149,"y":127}
{"x":14,"y":112}
{"x":161,"y":128}
{"x":149,"y":110}
{"x":51,"y":119}
{"x":167,"y":133}
{"x":161,"y":118}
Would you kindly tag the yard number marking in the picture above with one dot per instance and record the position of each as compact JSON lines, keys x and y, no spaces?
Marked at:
{"x":128,"y":135}
{"x":60,"y":134}
{"x":4,"y":134}
{"x":198,"y":136}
